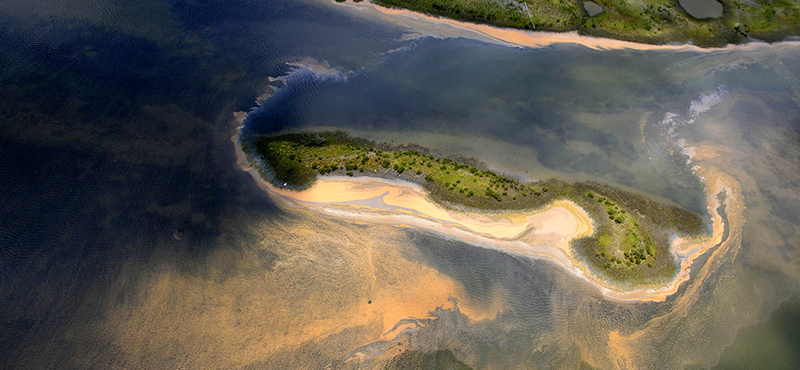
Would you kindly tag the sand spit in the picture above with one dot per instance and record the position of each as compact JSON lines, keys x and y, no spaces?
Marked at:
{"x":543,"y":234}
{"x":442,"y":27}
{"x":563,"y":220}
{"x":540,"y":234}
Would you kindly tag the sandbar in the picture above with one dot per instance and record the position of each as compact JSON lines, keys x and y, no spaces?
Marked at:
{"x":563,"y":219}
{"x":541,"y":234}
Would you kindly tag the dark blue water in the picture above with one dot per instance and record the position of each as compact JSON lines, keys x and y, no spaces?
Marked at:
{"x":117,"y":168}
{"x":115,"y":140}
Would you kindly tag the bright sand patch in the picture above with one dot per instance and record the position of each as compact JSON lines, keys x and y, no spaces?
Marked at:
{"x":544,"y":233}
{"x":563,"y":220}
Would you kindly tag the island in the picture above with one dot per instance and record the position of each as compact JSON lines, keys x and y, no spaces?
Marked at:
{"x":705,"y":23}
{"x":629,"y":245}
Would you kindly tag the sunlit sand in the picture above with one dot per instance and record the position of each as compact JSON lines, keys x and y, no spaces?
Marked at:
{"x":543,"y":234}
{"x":382,"y":198}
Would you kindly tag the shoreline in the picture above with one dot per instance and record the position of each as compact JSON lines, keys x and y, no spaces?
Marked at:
{"x":427,"y":25}
{"x":539,"y":234}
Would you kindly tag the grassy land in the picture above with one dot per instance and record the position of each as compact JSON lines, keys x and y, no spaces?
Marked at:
{"x":630,"y":244}
{"x":646,"y":21}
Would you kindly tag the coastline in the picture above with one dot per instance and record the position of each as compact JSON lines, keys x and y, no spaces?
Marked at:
{"x":428,"y":25}
{"x":541,"y":234}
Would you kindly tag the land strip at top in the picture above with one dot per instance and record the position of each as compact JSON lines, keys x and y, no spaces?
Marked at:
{"x":706,"y":23}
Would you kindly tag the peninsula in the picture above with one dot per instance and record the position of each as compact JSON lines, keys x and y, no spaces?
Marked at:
{"x":705,"y":23}
{"x":628,"y":243}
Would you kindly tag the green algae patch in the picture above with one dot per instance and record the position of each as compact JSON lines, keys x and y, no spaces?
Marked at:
{"x":630,"y":246}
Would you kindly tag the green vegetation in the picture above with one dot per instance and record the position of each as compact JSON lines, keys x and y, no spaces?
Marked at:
{"x":646,"y":21}
{"x":628,"y":246}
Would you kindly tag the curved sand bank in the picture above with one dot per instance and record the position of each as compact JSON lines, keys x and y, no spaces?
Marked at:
{"x":544,"y":233}
{"x":366,"y":194}
{"x":444,"y":27}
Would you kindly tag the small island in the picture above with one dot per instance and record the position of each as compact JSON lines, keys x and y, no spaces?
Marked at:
{"x":706,"y":23}
{"x":630,"y":245}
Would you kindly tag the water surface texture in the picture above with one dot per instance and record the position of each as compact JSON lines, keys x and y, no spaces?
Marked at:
{"x":130,"y":237}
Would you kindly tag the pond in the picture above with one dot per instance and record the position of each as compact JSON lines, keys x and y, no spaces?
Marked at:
{"x":702,"y":9}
